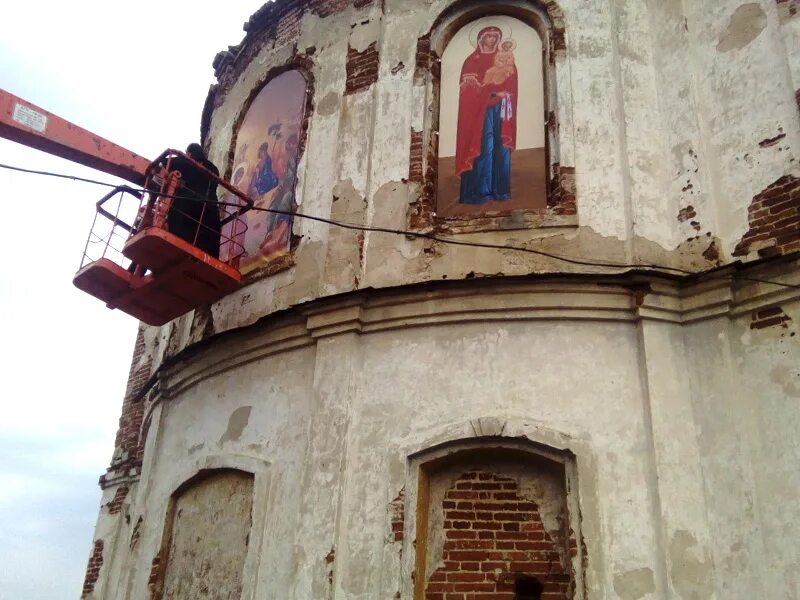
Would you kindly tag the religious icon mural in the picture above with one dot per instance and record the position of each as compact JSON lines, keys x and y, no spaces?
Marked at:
{"x":492,"y":155}
{"x":265,"y":168}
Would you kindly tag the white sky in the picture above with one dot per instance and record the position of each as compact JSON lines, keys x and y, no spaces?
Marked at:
{"x":137,"y":74}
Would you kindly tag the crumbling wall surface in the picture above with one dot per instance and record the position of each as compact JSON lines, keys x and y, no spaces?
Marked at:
{"x":746,"y":409}
{"x":672,"y":119}
{"x":674,"y":406}
{"x":210,"y":531}
{"x":789,"y":19}
{"x":490,"y":525}
{"x":253,"y":419}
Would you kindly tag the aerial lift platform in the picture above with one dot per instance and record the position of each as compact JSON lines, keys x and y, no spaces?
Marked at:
{"x":131,"y":261}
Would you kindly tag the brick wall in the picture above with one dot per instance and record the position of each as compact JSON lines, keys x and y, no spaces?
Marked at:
{"x":774,"y":220}
{"x":115,"y":506}
{"x":277,"y":22}
{"x":93,"y":570}
{"x":397,"y":516}
{"x":492,"y":537}
{"x":562,"y":191}
{"x":416,"y":156}
{"x":362,"y":68}
{"x":128,"y":451}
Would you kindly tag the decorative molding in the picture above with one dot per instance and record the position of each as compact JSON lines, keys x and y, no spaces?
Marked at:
{"x":627,"y":297}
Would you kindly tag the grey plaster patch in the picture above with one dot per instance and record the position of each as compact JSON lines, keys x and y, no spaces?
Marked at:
{"x":690,"y":570}
{"x":746,"y":24}
{"x":636,"y":584}
{"x":787,"y":378}
{"x":236,"y":424}
{"x":328,"y":105}
{"x":196,"y":448}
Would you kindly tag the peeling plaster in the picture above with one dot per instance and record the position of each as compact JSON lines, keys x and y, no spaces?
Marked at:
{"x":237,"y":422}
{"x":690,"y":573}
{"x":636,"y":584}
{"x":787,"y":378}
{"x":746,"y":24}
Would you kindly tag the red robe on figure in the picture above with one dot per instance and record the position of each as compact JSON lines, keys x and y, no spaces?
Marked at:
{"x":475,"y":99}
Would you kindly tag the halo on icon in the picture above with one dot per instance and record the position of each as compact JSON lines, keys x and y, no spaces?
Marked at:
{"x":478,"y":26}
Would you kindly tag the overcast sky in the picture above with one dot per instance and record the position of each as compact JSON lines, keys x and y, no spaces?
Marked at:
{"x":137,"y":74}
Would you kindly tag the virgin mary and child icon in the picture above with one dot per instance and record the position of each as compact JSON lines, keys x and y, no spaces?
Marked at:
{"x":487,"y":117}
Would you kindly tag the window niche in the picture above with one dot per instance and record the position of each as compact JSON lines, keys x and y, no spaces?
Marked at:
{"x":497,"y":520}
{"x":493,"y":154}
{"x":267,"y":147}
{"x":206,"y":537}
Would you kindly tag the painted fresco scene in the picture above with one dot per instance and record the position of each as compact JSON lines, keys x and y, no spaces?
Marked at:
{"x":265,"y":168}
{"x":492,"y":128}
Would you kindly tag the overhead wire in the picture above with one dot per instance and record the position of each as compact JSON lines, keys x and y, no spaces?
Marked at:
{"x":436,"y":238}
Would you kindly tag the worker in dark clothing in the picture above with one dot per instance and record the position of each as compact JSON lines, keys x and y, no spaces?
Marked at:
{"x":194,"y":215}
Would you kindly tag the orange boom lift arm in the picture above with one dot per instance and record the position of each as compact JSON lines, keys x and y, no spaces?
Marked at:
{"x":131,"y":261}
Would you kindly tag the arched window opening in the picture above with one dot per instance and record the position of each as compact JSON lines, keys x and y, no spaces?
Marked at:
{"x":527,"y":588}
{"x":497,"y":520}
{"x":267,"y":151}
{"x":206,"y":537}
{"x":492,"y":154}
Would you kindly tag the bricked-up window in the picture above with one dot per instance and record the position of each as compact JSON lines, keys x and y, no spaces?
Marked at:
{"x":492,"y":130}
{"x":497,"y":523}
{"x":206,"y":538}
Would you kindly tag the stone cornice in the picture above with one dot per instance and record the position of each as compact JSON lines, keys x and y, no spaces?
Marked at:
{"x":628,"y":297}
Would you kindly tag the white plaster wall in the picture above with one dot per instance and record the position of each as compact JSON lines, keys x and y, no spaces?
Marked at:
{"x":682,"y":432}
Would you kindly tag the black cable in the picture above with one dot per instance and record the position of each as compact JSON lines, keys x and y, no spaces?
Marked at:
{"x":50,"y":174}
{"x":436,"y":238}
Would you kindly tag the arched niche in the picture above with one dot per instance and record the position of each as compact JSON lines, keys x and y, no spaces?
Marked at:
{"x":496,"y":516}
{"x":268,"y":142}
{"x":207,"y":536}
{"x":470,"y":181}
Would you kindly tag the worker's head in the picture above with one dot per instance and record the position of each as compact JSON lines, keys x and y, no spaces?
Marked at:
{"x":195,"y":152}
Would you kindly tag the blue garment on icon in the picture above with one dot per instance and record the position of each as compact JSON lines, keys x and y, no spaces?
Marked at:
{"x":266,"y":179}
{"x":490,"y":176}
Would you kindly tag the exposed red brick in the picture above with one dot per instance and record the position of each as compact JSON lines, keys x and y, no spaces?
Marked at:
{"x":362,"y":68}
{"x":416,"y":157}
{"x":789,"y":7}
{"x":128,"y":449}
{"x":397,"y":516}
{"x":136,"y":533}
{"x":493,"y":536}
{"x":766,"y":143}
{"x":774,"y":219}
{"x":93,"y":569}
{"x":424,"y":56}
{"x":152,"y":580}
{"x":277,"y":22}
{"x":770,"y":317}
{"x":711,"y":253}
{"x":686,"y":213}
{"x":119,"y":497}
{"x":562,"y":191}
